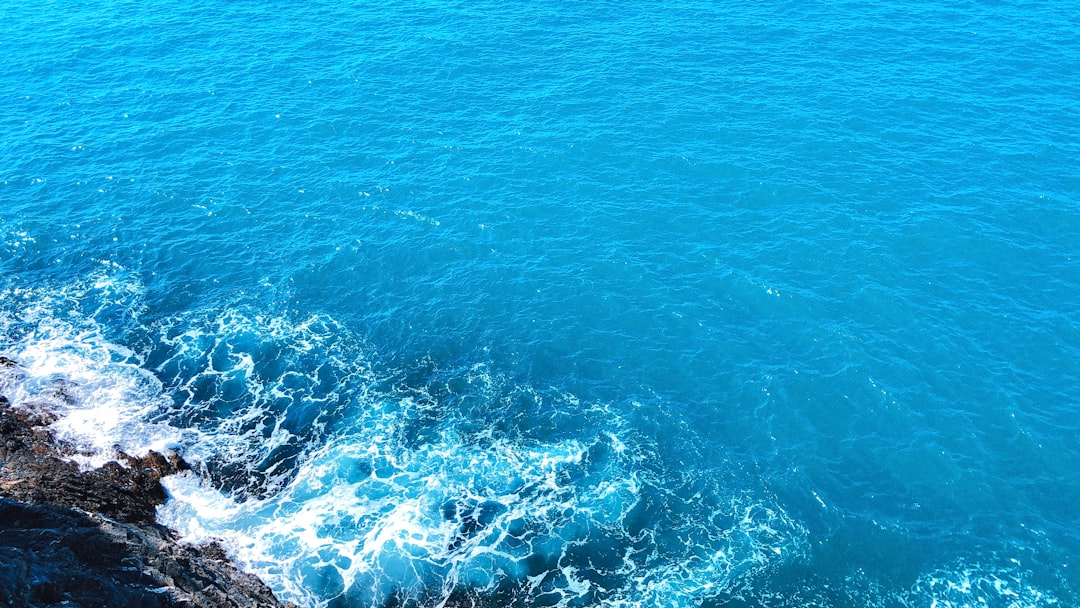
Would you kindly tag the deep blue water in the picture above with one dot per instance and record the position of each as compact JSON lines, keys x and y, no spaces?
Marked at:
{"x":564,"y":303}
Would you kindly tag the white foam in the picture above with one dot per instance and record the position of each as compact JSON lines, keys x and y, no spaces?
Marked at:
{"x":100,"y":394}
{"x":381,"y":519}
{"x":365,"y":507}
{"x":376,"y":514}
{"x":962,"y":585}
{"x":249,"y":385}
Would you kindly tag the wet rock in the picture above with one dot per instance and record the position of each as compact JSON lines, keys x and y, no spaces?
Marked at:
{"x":88,"y":538}
{"x":50,"y":555}
{"x":33,"y":470}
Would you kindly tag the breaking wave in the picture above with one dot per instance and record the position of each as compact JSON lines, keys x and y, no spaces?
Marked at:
{"x":344,"y":481}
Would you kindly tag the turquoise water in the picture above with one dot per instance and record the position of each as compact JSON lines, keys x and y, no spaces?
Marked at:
{"x":574,"y":304}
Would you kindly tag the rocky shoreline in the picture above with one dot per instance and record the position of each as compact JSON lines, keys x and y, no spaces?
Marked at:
{"x":88,"y":538}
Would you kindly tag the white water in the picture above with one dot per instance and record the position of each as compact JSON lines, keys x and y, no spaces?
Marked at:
{"x":369,"y":509}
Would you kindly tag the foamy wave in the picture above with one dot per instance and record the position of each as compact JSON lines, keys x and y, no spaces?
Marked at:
{"x":964,"y":585}
{"x":343,"y":486}
{"x":368,"y":520}
{"x":100,"y":393}
{"x":255,"y":391}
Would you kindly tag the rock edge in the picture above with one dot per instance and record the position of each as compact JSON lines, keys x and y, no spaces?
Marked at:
{"x":87,"y":538}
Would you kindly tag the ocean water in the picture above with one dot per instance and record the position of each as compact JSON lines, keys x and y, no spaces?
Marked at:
{"x":674,"y":303}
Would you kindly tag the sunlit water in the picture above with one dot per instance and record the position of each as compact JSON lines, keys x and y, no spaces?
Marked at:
{"x":565,"y":304}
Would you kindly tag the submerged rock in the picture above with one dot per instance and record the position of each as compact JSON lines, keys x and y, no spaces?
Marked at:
{"x":88,"y":538}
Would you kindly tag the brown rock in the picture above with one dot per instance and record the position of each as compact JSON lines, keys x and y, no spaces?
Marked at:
{"x":33,"y":469}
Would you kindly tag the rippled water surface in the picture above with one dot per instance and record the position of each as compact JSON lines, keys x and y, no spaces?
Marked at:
{"x":565,"y":303}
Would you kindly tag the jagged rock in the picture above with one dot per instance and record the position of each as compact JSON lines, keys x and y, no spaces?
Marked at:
{"x":88,"y":538}
{"x":50,"y":555}
{"x":33,"y":470}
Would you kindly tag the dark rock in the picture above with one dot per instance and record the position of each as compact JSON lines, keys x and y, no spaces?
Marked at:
{"x":33,"y":470}
{"x":51,"y":554}
{"x":88,"y":538}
